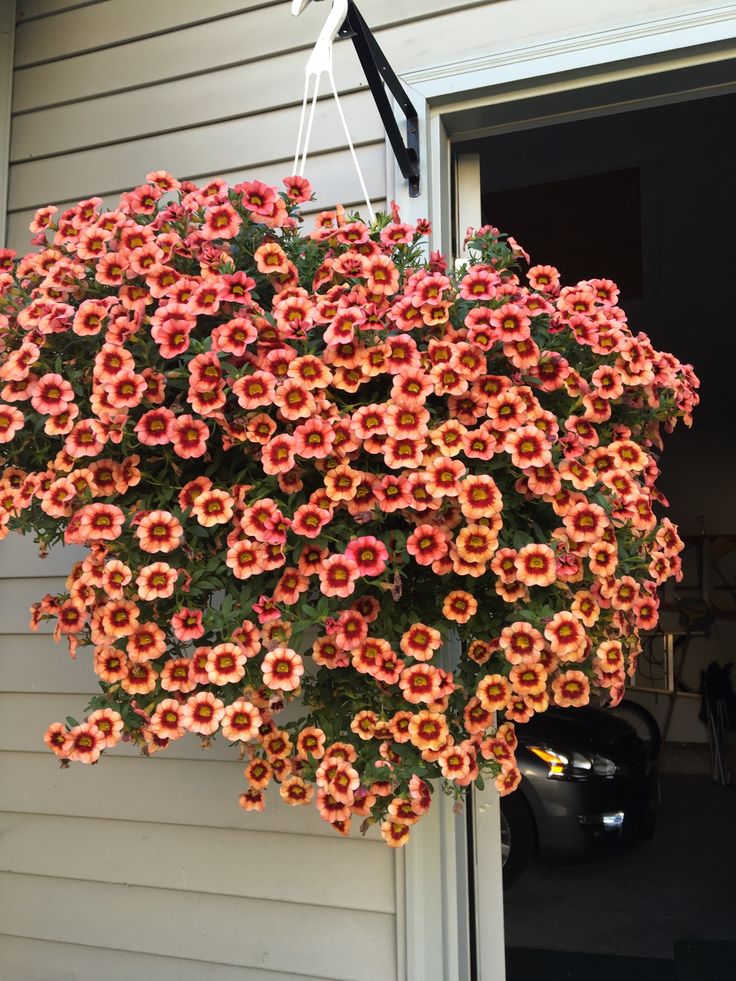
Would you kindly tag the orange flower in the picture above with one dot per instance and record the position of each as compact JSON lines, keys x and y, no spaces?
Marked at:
{"x":421,"y":642}
{"x":493,"y":692}
{"x":395,"y":833}
{"x":571,"y":688}
{"x":240,"y":721}
{"x":282,"y":668}
{"x":459,"y":606}
{"x":428,"y":730}
{"x":159,"y":531}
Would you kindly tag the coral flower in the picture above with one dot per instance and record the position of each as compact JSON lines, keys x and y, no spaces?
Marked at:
{"x":282,"y":669}
{"x":258,"y":773}
{"x":493,"y":692}
{"x":427,"y":543}
{"x":159,"y":531}
{"x":455,"y":764}
{"x":566,"y":636}
{"x":146,"y":643}
{"x":140,"y":679}
{"x":421,"y":642}
{"x":110,"y":724}
{"x":337,"y":576}
{"x":428,"y":730}
{"x":510,"y":323}
{"x":278,"y":455}
{"x":459,"y":606}
{"x":294,"y":400}
{"x":295,"y":791}
{"x":536,"y":565}
{"x":213,"y":507}
{"x":521,"y":643}
{"x":255,"y":390}
{"x":479,"y":497}
{"x":369,"y":554}
{"x":444,"y":477}
{"x":585,"y":522}
{"x":156,"y":581}
{"x":225,"y":664}
{"x":420,"y":683}
{"x":187,"y":624}
{"x":177,"y":676}
{"x":476,"y":543}
{"x":52,"y":395}
{"x":528,"y":447}
{"x":603,"y":559}
{"x":240,"y":721}
{"x":252,"y":800}
{"x":394,"y":833}
{"x":528,"y":679}
{"x":189,"y":437}
{"x":100,"y":522}
{"x":110,"y":664}
{"x":609,"y":657}
{"x":119,"y":618}
{"x":57,"y":739}
{"x":86,"y":743}
{"x":154,"y":428}
{"x":507,"y":781}
{"x":166,"y":721}
{"x":571,"y":689}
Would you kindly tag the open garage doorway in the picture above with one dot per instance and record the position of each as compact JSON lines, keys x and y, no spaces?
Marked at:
{"x":645,"y":196}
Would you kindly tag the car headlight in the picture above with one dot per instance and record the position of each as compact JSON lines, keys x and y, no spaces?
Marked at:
{"x":573,"y":765}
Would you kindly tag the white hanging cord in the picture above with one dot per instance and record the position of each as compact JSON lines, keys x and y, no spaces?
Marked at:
{"x":364,"y":189}
{"x":301,"y":130}
{"x":318,"y":64}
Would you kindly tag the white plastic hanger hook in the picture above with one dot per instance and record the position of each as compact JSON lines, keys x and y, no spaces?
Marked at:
{"x":318,"y":64}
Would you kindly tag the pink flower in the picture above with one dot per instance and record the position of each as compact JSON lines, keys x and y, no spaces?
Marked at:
{"x":369,"y":555}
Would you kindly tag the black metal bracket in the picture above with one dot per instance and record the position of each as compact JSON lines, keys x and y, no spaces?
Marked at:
{"x":378,"y":73}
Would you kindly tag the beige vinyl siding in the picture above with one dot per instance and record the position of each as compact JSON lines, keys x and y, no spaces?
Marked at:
{"x":100,"y":98}
{"x":154,"y":857}
{"x":148,"y":867}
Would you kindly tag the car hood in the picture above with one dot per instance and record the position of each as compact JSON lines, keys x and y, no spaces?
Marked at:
{"x":575,"y":728}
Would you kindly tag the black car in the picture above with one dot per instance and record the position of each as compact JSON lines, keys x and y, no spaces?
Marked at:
{"x":588,"y":779}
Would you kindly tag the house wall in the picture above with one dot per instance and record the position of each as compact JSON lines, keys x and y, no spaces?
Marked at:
{"x":149,"y":867}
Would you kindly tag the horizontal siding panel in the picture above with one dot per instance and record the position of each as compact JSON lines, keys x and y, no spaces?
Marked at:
{"x":16,"y":596}
{"x":184,"y":102}
{"x":239,"y":40}
{"x":30,"y":9}
{"x":24,"y":718}
{"x":247,"y":864}
{"x":159,"y":790}
{"x":357,"y":946}
{"x":34,"y":663}
{"x":71,"y":31}
{"x":332,"y":175}
{"x":226,"y":146}
{"x":19,"y":557}
{"x":45,"y":960}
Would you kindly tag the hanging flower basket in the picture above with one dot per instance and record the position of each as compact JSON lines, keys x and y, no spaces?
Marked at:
{"x":303,"y":461}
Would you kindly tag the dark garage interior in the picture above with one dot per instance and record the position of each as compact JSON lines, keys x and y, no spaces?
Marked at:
{"x":645,"y":198}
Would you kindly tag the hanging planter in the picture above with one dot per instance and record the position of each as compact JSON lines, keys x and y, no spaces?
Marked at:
{"x":301,"y":461}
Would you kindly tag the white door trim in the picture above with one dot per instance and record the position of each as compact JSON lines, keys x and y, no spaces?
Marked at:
{"x":642,"y":39}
